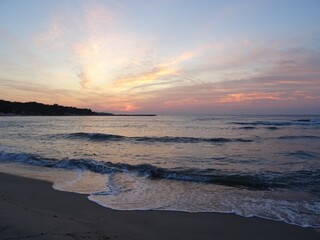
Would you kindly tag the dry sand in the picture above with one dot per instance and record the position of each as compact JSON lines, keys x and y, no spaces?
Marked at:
{"x":31,"y":209}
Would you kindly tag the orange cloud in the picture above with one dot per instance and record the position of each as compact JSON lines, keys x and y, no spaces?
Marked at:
{"x":248,"y":97}
{"x":145,"y":77}
{"x":186,"y":102}
{"x":159,"y":71}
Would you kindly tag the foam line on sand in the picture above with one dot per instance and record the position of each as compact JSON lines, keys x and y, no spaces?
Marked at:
{"x":32,"y":209}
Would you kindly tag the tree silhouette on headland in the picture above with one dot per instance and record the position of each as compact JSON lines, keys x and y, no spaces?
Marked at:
{"x":39,"y":109}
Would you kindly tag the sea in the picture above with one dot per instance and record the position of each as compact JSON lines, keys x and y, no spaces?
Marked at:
{"x":263,"y":166}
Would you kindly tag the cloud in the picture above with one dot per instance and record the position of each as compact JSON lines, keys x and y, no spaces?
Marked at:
{"x":84,"y":79}
{"x":94,"y":58}
{"x":156,"y":75}
{"x":29,"y":91}
{"x":280,"y":85}
{"x":85,"y":38}
{"x":14,"y":47}
{"x":52,"y":36}
{"x":26,"y":87}
{"x":145,"y":77}
{"x":106,"y":54}
{"x":255,"y":96}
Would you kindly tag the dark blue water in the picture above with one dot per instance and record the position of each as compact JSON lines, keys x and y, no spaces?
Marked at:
{"x":267,"y":166}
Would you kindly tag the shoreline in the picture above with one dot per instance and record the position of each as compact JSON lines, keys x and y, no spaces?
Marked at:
{"x":33,"y":209}
{"x":98,"y":115}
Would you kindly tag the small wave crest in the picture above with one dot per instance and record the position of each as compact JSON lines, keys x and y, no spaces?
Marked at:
{"x":254,"y":181}
{"x":300,"y":122}
{"x":247,"y":128}
{"x":299,"y":137}
{"x":207,"y":119}
{"x":255,"y":127}
{"x":93,"y":136}
{"x":272,"y":128}
{"x":302,"y":154}
{"x":165,"y":139}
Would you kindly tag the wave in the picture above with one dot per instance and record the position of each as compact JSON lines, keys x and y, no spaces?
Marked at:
{"x":255,"y":127}
{"x":207,"y":119}
{"x":302,"y":154}
{"x":165,"y":139}
{"x":247,"y":128}
{"x":93,"y":136}
{"x":300,"y":122}
{"x":272,"y":128}
{"x":253,"y":181}
{"x":299,"y":137}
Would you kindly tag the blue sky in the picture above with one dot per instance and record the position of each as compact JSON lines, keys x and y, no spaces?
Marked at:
{"x":168,"y":57}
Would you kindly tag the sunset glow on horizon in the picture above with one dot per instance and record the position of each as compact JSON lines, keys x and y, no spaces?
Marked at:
{"x":163,"y":57}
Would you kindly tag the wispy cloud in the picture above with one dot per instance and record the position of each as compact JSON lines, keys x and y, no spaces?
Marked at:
{"x":84,"y":81}
{"x":291,"y":79}
{"x":52,"y":36}
{"x":254,"y":96}
{"x":16,"y":47}
{"x":146,"y":77}
{"x":157,"y":74}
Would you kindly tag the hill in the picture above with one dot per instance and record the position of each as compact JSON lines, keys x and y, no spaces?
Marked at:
{"x":40,"y":109}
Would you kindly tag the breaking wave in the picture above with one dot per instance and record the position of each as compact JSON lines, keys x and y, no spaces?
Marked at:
{"x":249,"y":180}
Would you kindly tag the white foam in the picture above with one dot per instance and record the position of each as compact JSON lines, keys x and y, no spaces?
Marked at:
{"x":135,"y":193}
{"x":125,"y":191}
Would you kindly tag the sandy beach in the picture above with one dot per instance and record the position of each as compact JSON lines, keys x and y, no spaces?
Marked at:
{"x":31,"y":209}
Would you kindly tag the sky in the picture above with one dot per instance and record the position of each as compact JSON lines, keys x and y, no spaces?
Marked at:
{"x":165,"y":57}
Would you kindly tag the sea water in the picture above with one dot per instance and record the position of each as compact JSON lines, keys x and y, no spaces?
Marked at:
{"x":265,"y":166}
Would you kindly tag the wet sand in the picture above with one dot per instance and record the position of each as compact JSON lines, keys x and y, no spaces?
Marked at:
{"x":31,"y":209}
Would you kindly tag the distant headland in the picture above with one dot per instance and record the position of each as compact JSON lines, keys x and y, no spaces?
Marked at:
{"x":8,"y":108}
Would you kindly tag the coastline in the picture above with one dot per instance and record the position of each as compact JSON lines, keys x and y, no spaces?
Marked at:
{"x":33,"y":209}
